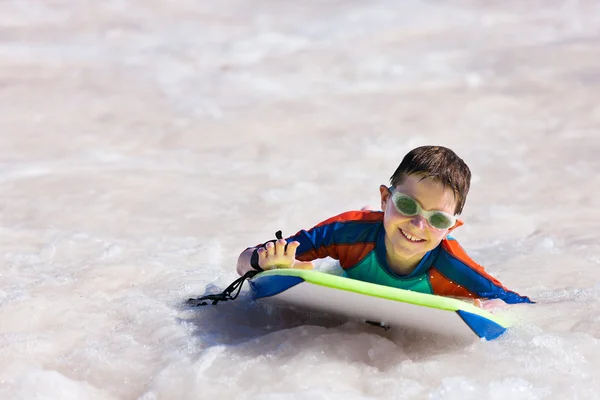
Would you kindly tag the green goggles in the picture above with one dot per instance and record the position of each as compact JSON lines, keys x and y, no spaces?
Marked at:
{"x":409,"y":207}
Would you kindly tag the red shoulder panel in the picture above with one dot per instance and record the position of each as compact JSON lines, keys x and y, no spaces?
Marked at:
{"x":443,"y":286}
{"x":354,"y":216}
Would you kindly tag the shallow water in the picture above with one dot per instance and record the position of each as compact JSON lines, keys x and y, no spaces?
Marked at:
{"x":145,"y":144}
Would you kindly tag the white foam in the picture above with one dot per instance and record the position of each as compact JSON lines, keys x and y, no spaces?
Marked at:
{"x":145,"y":145}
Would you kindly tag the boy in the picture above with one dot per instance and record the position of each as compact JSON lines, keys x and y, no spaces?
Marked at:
{"x":407,"y":245}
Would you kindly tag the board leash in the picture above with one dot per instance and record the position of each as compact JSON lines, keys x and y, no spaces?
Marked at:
{"x":226,"y":294}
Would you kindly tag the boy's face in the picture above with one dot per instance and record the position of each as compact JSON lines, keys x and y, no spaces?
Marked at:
{"x":407,"y":239}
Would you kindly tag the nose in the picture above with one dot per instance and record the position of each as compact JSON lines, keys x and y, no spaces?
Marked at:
{"x":418,"y":221}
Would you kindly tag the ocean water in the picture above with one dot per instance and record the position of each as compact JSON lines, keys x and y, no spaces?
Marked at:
{"x":144,"y":144}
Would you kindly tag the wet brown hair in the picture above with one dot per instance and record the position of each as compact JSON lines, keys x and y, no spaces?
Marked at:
{"x":439,"y":163}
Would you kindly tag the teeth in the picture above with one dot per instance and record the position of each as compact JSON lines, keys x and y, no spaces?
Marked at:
{"x":411,"y":238}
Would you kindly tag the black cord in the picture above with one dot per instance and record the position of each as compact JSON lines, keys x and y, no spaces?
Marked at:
{"x":235,"y":285}
{"x":225,"y":295}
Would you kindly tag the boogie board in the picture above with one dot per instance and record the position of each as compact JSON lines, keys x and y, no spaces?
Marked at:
{"x":376,"y":304}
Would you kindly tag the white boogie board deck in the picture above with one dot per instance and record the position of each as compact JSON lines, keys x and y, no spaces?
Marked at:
{"x":363,"y":301}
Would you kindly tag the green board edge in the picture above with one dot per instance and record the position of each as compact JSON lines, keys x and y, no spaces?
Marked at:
{"x":386,"y":292}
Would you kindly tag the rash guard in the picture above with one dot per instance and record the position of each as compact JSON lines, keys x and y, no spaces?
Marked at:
{"x":356,"y":239}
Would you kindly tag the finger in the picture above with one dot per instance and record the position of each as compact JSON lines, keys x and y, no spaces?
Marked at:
{"x":291,"y":248}
{"x":304,"y":265}
{"x":477,"y":303}
{"x":492,"y":304}
{"x":262,"y":257}
{"x":280,"y":247}
{"x":262,"y":252}
{"x":270,"y":249}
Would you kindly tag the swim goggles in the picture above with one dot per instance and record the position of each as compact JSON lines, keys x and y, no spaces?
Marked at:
{"x":409,"y":207}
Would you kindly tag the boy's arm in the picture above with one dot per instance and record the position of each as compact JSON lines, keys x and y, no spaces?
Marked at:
{"x":302,"y":248}
{"x":243,"y":263}
{"x":281,"y":253}
{"x":458,"y":270}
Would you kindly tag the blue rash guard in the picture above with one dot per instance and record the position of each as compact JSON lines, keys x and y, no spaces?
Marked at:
{"x":356,"y":239}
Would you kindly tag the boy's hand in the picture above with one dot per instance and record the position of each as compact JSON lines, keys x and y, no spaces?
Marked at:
{"x":489,"y":304}
{"x":276,"y":255}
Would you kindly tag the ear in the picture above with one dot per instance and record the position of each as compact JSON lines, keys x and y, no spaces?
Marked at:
{"x":385,"y":195}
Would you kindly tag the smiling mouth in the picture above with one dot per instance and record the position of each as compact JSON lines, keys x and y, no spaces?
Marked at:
{"x":411,"y":238}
